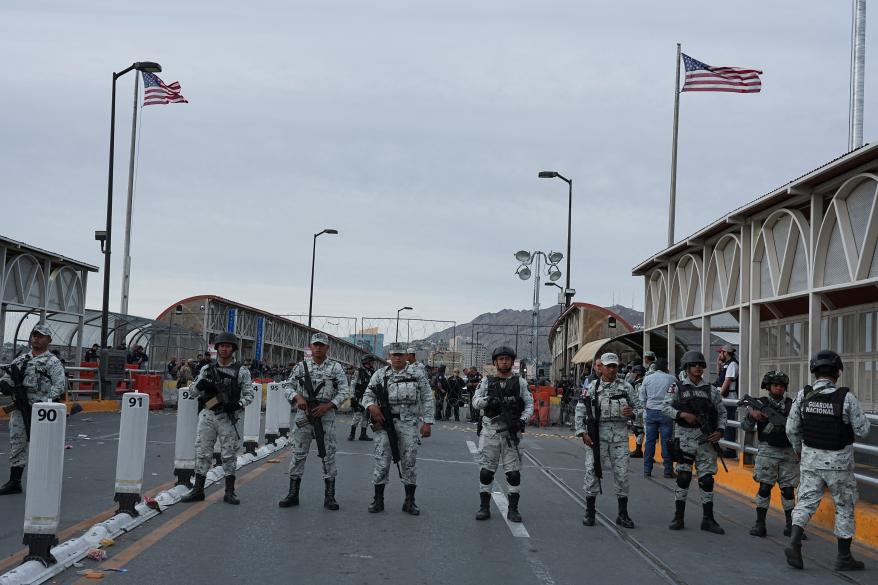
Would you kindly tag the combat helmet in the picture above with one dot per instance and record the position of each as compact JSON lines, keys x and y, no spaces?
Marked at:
{"x":774,"y":377}
{"x":827,"y":361}
{"x":226,"y":337}
{"x":502,"y":350}
{"x":691,"y":358}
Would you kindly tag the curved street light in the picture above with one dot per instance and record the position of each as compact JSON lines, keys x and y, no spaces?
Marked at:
{"x":313,"y":254}
{"x":396,"y":339}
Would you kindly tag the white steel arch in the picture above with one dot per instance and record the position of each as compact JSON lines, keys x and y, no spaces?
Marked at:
{"x":686,"y":288}
{"x":722,"y":286}
{"x":656,"y":298}
{"x":780,"y":258}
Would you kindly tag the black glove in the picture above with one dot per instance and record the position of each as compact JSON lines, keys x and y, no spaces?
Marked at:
{"x":231,"y":407}
{"x":204,"y":385}
{"x":522,"y":425}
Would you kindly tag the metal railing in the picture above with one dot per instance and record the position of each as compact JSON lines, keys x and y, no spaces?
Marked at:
{"x":742,"y":446}
{"x":74,"y":383}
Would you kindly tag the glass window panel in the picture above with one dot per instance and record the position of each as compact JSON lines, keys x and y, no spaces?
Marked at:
{"x":797,"y":341}
{"x":764,"y":348}
{"x":849,"y":330}
{"x":824,"y":332}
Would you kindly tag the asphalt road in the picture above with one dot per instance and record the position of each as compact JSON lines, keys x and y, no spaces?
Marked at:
{"x":213,"y":542}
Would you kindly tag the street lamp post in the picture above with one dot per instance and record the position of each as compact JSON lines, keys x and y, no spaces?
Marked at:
{"x":396,"y":339}
{"x":554,"y":175}
{"x":313,"y":254}
{"x":106,"y":238}
{"x":524,"y":273}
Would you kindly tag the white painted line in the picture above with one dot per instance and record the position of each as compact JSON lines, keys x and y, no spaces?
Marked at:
{"x":534,"y":445}
{"x":516,"y":528}
{"x":472,"y":448}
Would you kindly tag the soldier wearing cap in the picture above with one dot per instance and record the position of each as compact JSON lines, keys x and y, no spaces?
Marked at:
{"x":330,"y":389}
{"x":403,"y":390}
{"x":42,"y":375}
{"x":223,"y":390}
{"x":359,"y":381}
{"x":697,"y":408}
{"x":506,"y":403}
{"x":823,"y":422}
{"x":649,"y":362}
{"x":613,"y":403}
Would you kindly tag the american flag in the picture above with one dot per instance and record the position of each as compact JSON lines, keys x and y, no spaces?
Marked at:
{"x":155,"y":91}
{"x":703,"y":77}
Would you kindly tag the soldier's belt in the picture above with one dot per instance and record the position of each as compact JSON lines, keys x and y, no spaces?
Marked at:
{"x":212,"y":403}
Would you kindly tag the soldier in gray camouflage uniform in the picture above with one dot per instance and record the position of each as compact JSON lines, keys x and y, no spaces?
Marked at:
{"x":45,"y":381}
{"x":504,"y":400}
{"x":638,"y":373}
{"x":822,"y":425}
{"x":614,"y":403}
{"x":330,"y":386}
{"x":694,"y":403}
{"x":776,"y":462}
{"x":223,"y":390}
{"x":649,"y":362}
{"x":410,"y":401}
{"x":359,"y":381}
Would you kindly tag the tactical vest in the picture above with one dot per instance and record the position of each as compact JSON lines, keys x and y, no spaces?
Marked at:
{"x":823,"y":425}
{"x":363,"y":377}
{"x":733,"y":387}
{"x":502,"y":388}
{"x":778,"y":435}
{"x":610,"y":402}
{"x":402,"y":389}
{"x":695,"y":400}
{"x":225,"y":378}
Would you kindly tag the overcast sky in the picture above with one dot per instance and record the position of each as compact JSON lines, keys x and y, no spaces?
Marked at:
{"x":415,"y":128}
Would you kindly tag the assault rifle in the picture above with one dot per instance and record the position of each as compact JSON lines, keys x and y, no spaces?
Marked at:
{"x":506,"y":424}
{"x":591,"y":428}
{"x":775,"y":418}
{"x":217,"y":400}
{"x":383,"y":397}
{"x":315,"y":421}
{"x":18,"y":391}
{"x":706,"y":430}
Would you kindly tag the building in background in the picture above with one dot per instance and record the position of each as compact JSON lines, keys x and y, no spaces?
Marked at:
{"x":788,"y":274}
{"x":369,"y":339}
{"x":588,"y":328}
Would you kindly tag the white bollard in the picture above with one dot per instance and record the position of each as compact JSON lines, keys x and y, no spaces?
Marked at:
{"x":184,"y":447}
{"x":252,"y":420}
{"x":132,"y":451}
{"x":274,"y":403}
{"x":45,"y":470}
{"x":285,"y":422}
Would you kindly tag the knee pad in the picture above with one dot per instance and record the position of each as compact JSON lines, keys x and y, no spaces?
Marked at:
{"x":513,"y":477}
{"x":684,"y":478}
{"x":486,"y":476}
{"x":788,"y":493}
{"x":765,"y":490}
{"x":706,"y":483}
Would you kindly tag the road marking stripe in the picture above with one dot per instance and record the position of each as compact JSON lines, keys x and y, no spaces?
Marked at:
{"x":517,"y":528}
{"x":472,"y":448}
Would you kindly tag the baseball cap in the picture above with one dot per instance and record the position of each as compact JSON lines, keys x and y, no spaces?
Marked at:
{"x":610,"y":358}
{"x":649,"y":354}
{"x":727,"y":349}
{"x":42,"y":328}
{"x":397,"y":348}
{"x":320,"y":338}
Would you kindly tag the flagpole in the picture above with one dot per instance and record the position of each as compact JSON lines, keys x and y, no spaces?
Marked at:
{"x":126,"y":274}
{"x":672,"y":200}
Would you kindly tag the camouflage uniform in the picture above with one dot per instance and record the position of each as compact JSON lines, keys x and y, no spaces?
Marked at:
{"x":694,"y":444}
{"x":45,"y":381}
{"x":494,"y":446}
{"x":774,"y":464}
{"x":823,"y":469}
{"x":360,"y":417}
{"x":411,"y":399}
{"x":331,"y":385}
{"x":216,"y":427}
{"x":610,"y":398}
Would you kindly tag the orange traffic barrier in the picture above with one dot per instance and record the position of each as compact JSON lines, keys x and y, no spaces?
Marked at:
{"x":89,"y":375}
{"x":150,"y":384}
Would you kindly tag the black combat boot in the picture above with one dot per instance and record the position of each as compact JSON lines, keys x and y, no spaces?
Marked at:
{"x":292,"y":498}
{"x":794,"y":551}
{"x":845,"y":561}
{"x":789,"y":518}
{"x":484,"y":506}
{"x":588,"y":519}
{"x":13,"y":486}
{"x":409,"y":504}
{"x":363,"y":435}
{"x":637,"y":453}
{"x":759,"y":528}
{"x":230,"y":497}
{"x":708,"y":522}
{"x":329,"y":494}
{"x":512,"y":513}
{"x":197,"y":492}
{"x":377,"y":504}
{"x":623,"y":519}
{"x":679,"y":515}
{"x":353,"y":432}
{"x":218,"y":459}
